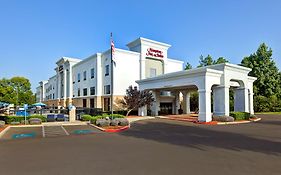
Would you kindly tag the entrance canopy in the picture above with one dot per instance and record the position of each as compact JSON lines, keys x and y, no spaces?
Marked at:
{"x":216,"y":79}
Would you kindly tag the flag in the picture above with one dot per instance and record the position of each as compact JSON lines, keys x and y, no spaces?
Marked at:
{"x":112,"y":51}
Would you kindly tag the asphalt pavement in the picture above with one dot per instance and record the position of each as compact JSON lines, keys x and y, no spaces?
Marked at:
{"x":158,"y":146}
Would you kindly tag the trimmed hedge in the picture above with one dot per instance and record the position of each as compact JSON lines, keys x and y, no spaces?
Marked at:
{"x":10,"y":119}
{"x":240,"y":115}
{"x":86,"y":117}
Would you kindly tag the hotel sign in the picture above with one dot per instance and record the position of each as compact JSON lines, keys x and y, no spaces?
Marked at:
{"x":154,"y":53}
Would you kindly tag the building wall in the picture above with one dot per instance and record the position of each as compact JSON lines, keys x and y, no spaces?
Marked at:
{"x":129,"y":66}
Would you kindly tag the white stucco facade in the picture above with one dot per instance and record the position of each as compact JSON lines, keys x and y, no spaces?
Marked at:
{"x":85,"y":83}
{"x":215,"y":79}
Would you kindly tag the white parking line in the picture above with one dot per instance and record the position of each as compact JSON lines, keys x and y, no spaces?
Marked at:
{"x":43,"y":131}
{"x":64,"y":130}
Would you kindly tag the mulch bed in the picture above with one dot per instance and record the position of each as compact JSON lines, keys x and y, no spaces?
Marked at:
{"x":2,"y":128}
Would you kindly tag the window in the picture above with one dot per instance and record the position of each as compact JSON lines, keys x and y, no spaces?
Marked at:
{"x":152,"y":72}
{"x":73,"y":79}
{"x":107,"y":89}
{"x":92,"y":73}
{"x":93,"y":91}
{"x":106,"y":104}
{"x":53,"y":96}
{"x":78,"y":93}
{"x":85,"y":92}
{"x":78,"y":77}
{"x":84,"y":103}
{"x":85,"y":75}
{"x":106,"y":70}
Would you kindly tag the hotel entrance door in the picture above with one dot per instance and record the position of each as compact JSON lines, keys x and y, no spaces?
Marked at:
{"x":166,"y":108}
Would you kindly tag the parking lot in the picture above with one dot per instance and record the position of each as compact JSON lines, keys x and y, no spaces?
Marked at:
{"x":151,"y":147}
{"x":58,"y":130}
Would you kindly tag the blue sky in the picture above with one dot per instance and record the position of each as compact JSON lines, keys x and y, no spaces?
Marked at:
{"x":35,"y":34}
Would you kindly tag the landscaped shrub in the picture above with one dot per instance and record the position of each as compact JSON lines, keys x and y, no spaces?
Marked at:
{"x":2,"y":123}
{"x":223,"y":118}
{"x":102,"y":122}
{"x":240,"y":115}
{"x":15,"y":123}
{"x":123,"y":122}
{"x":35,"y":121}
{"x":115,"y":122}
{"x":94,"y":119}
{"x":86,"y":117}
{"x":113,"y":116}
{"x":10,"y":119}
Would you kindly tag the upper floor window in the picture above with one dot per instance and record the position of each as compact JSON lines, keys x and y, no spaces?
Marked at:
{"x":92,"y":73}
{"x":85,"y":75}
{"x":152,"y":72}
{"x":85,"y":92}
{"x":107,"y":89}
{"x":106,"y":70}
{"x":78,"y":77}
{"x":78,"y":93}
{"x":92,"y":90}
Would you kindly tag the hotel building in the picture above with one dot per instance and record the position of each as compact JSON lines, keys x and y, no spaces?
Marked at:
{"x":86,"y":83}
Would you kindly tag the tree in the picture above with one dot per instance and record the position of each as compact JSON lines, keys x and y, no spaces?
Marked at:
{"x":188,"y":66}
{"x":16,"y":90}
{"x":135,"y":99}
{"x":205,"y":61}
{"x":264,"y":68}
{"x":221,"y":60}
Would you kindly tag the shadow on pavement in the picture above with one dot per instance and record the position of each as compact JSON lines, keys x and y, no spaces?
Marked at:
{"x":196,"y":136}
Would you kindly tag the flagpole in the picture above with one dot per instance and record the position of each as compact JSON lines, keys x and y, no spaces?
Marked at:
{"x":111,"y":91}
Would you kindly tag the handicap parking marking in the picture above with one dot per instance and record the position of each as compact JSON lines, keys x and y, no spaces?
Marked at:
{"x":24,"y":135}
{"x":85,"y":131}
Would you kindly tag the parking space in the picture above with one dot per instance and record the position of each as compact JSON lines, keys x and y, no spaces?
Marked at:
{"x":48,"y":131}
{"x":23,"y":133}
{"x":81,"y":129}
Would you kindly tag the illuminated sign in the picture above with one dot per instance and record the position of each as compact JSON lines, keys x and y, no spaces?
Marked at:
{"x":154,"y":53}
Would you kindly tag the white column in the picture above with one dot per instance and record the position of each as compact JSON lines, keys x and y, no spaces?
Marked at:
{"x":142,"y":111}
{"x":64,"y":84}
{"x":176,"y":102}
{"x":221,"y":100}
{"x":155,"y":104}
{"x":251,"y":102}
{"x":186,"y":102}
{"x":70,"y":82}
{"x":205,"y":114}
{"x":59,"y":85}
{"x":241,"y":101}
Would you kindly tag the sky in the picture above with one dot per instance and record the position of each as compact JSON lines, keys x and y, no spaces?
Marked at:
{"x":35,"y":34}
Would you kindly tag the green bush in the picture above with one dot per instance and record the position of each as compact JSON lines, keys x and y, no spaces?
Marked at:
{"x":86,"y":117}
{"x":10,"y":119}
{"x":113,"y":116}
{"x":94,"y":118}
{"x":267,"y":104}
{"x":240,"y":115}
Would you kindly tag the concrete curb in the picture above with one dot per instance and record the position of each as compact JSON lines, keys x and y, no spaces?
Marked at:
{"x":111,"y":130}
{"x":4,"y":131}
{"x":212,"y":122}
{"x":241,"y":122}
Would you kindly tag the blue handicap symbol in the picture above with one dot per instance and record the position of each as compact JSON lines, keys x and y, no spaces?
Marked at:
{"x":82,"y":131}
{"x":26,"y":135}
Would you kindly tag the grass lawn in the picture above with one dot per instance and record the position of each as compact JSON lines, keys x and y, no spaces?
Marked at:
{"x":276,"y":113}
